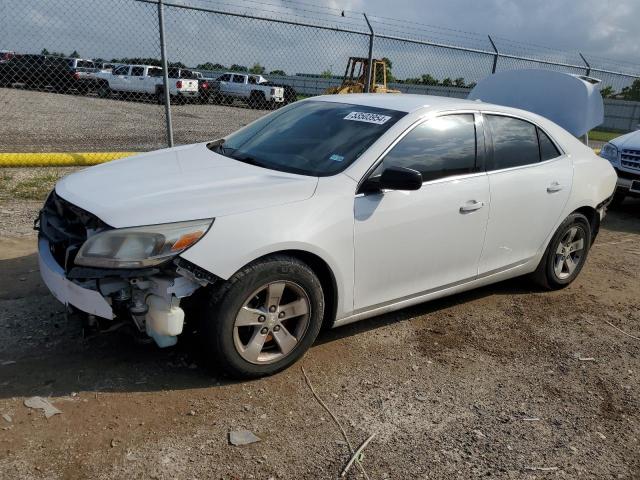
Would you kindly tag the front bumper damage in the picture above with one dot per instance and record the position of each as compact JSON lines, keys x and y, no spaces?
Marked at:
{"x":147,"y":298}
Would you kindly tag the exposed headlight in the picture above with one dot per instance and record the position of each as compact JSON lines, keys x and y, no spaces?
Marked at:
{"x":139,"y":247}
{"x":610,"y":152}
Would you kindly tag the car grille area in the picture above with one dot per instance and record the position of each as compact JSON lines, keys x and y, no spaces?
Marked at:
{"x":66,"y":227}
{"x":630,"y":158}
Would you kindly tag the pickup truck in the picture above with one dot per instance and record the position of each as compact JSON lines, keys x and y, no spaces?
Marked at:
{"x":249,"y":88}
{"x":144,"y":80}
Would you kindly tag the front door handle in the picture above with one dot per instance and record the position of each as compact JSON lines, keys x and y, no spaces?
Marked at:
{"x":471,"y":206}
{"x":554,"y":187}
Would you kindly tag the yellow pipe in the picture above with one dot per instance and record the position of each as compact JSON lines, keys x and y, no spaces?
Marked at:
{"x":67,"y":159}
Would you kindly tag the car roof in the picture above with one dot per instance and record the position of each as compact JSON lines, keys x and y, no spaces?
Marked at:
{"x":402,"y":102}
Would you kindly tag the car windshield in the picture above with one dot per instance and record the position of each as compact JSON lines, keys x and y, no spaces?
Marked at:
{"x":313,"y":138}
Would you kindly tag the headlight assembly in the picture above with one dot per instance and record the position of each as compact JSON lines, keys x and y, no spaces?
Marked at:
{"x":610,"y":152}
{"x":139,"y":247}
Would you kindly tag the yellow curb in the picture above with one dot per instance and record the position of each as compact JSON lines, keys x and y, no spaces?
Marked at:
{"x":67,"y":159}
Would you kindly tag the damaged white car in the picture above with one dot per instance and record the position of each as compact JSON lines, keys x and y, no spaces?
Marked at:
{"x":327,"y":211}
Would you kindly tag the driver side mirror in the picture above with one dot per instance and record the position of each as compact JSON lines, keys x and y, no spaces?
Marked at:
{"x":394,"y":178}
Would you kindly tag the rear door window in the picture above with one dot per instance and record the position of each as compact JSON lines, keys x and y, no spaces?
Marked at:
{"x":515,"y":142}
{"x":238,"y":79}
{"x":225,"y":78}
{"x":137,"y":71}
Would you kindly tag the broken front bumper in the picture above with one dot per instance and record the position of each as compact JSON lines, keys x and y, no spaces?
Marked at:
{"x":67,"y":292}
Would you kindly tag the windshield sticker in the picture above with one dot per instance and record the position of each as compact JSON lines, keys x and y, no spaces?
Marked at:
{"x":368,"y":117}
{"x":336,"y":158}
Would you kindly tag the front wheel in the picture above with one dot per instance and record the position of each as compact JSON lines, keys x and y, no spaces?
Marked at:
{"x":566,"y":253}
{"x":263,"y":318}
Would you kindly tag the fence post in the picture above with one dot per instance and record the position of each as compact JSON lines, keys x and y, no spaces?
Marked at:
{"x":495,"y":57}
{"x":588,"y":72}
{"x":165,"y":75}
{"x":367,"y":87}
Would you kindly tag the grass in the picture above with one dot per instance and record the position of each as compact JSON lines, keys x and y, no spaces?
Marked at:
{"x":34,"y":188}
{"x":603,"y":135}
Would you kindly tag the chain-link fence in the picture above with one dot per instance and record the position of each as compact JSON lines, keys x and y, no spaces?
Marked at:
{"x":132,"y":75}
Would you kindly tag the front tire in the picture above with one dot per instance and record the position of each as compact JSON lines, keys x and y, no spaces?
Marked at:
{"x":566,"y":253}
{"x":263,"y":319}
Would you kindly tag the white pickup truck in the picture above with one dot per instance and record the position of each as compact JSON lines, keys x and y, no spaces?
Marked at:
{"x":145,"y":80}
{"x":249,"y":88}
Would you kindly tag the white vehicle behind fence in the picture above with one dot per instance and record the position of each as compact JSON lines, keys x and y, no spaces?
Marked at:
{"x":249,"y":88}
{"x":144,"y":80}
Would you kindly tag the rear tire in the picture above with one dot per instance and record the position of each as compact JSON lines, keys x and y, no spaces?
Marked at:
{"x":566,"y":253}
{"x":263,"y":319}
{"x":103,"y":90}
{"x":257,"y":100}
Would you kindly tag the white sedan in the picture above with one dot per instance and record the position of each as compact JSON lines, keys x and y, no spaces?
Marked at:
{"x":325,"y":212}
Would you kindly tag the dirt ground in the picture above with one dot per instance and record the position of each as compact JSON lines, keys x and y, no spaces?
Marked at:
{"x":502,"y":382}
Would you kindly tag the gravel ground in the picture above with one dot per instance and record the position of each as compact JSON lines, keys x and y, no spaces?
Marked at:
{"x":50,"y":122}
{"x":503,"y":382}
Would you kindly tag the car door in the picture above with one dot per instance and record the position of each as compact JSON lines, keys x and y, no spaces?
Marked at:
{"x":120,"y":78}
{"x":413,"y":242}
{"x":237,"y":85}
{"x":530,"y":180}
{"x":135,"y":82}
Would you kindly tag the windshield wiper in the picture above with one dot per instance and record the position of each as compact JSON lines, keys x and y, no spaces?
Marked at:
{"x":249,"y":160}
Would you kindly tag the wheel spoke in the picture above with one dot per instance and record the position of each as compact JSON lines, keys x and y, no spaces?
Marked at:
{"x":294,"y":309}
{"x":577,"y":245}
{"x":254,"y":347}
{"x":560,"y":249}
{"x":248,"y":317}
{"x":274,"y":294}
{"x":572,"y":235}
{"x":571,"y":265}
{"x":558,"y":265}
{"x":285,"y":340}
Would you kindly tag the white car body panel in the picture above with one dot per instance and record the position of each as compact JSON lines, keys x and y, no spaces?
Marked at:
{"x":385,"y":251}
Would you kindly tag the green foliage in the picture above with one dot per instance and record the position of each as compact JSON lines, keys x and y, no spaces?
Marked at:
{"x":607,"y":92}
{"x":280,"y":73}
{"x":632,"y":92}
{"x":388,"y":67}
{"x":53,"y":54}
{"x":257,"y":69}
{"x":238,"y":68}
{"x":326,"y":74}
{"x":447,"y":82}
{"x":75,"y":54}
{"x":210,"y":66}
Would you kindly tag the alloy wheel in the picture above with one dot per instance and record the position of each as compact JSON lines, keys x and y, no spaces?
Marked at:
{"x":271,"y":323}
{"x":569,"y":252}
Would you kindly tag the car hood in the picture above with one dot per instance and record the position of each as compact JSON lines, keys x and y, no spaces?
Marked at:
{"x":628,"y":140}
{"x":177,"y":184}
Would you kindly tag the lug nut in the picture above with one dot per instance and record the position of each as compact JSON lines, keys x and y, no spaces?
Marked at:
{"x":281,"y":315}
{"x":276,"y":328}
{"x":272,"y":308}
{"x":264,"y":331}
{"x":261,"y":318}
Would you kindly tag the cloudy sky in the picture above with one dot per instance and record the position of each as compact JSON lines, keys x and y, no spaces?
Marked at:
{"x":601,"y":29}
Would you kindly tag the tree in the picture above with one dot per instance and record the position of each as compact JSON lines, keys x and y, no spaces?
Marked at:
{"x":326,"y":74}
{"x":427,"y":79}
{"x":280,"y":73}
{"x":44,"y":52}
{"x":257,"y":69}
{"x":75,"y":54}
{"x":176,"y":65}
{"x":447,"y":82}
{"x":388,"y":67}
{"x":632,"y":92}
{"x":238,"y":68}
{"x":607,"y":92}
{"x":459,"y":82}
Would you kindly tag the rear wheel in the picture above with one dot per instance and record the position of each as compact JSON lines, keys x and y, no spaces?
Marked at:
{"x":264,"y":318}
{"x":103,"y":90}
{"x":566,"y":253}
{"x":257,"y":100}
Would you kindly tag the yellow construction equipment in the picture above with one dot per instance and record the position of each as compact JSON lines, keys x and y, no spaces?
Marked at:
{"x":355,"y":77}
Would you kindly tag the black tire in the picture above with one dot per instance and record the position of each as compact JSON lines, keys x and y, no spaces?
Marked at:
{"x":222,"y":305}
{"x":257,"y":100}
{"x":103,"y":90}
{"x":546,"y":274}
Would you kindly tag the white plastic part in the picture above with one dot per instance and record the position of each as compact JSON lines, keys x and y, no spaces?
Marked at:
{"x":572,"y":101}
{"x":163,"y":321}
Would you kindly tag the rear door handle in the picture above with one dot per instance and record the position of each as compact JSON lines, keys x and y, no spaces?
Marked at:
{"x":554,"y":187}
{"x":471,"y":206}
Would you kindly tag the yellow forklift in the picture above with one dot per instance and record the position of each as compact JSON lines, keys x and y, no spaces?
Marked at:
{"x":355,"y":77}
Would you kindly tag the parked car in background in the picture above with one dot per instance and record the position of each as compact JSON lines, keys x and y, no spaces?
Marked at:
{"x":144,"y":81}
{"x":208,"y":88}
{"x":44,"y":71}
{"x":6,"y":55}
{"x":249,"y":88}
{"x":624,"y":154}
{"x":289,"y":93}
{"x":325,"y":212}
